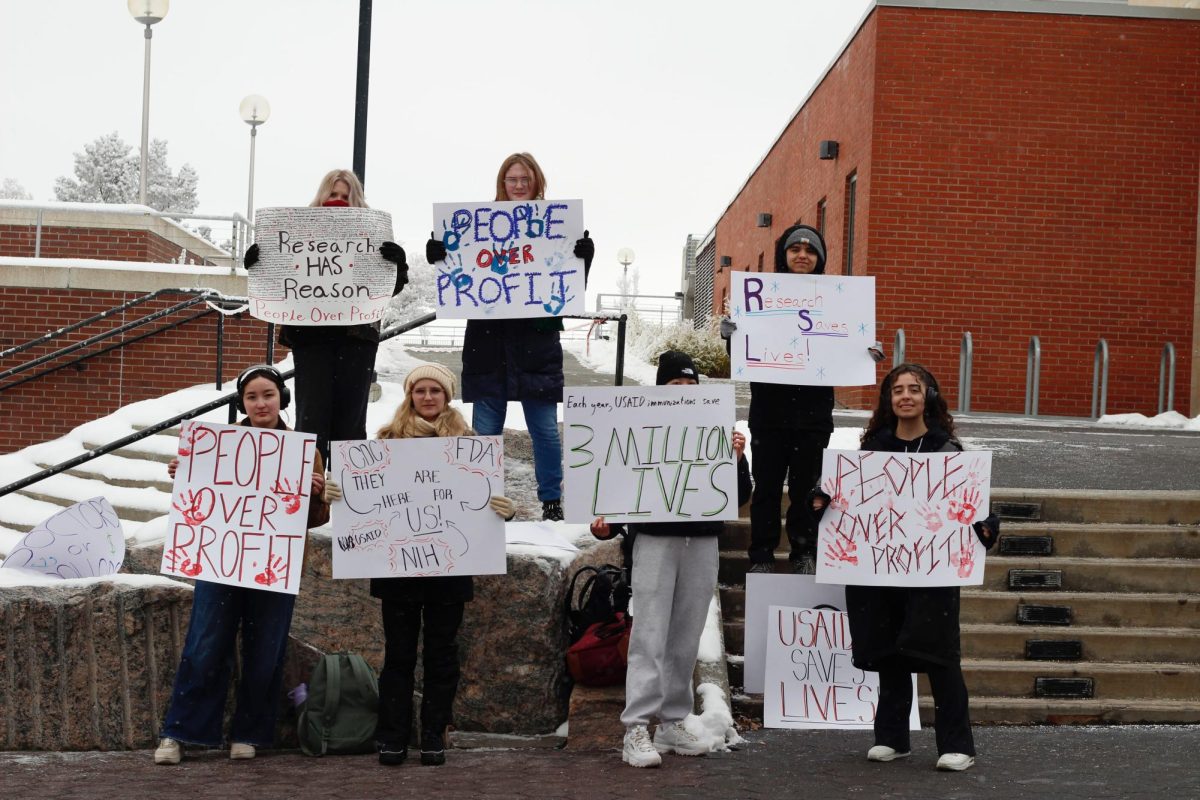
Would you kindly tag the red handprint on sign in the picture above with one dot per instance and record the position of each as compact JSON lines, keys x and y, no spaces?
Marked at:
{"x":289,"y":496}
{"x":965,"y":510}
{"x":834,"y":490}
{"x":273,"y":573}
{"x":964,"y":559}
{"x":187,"y":441}
{"x":178,"y":561}
{"x":842,"y":549}
{"x":192,"y":507}
{"x":933,"y":520}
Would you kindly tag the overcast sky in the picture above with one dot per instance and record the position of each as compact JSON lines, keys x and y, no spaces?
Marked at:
{"x":652,"y":112}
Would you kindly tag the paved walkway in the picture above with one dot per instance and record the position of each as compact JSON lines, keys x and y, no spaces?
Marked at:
{"x":1026,"y":763}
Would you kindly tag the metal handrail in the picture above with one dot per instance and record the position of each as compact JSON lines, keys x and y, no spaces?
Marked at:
{"x":966,"y":358}
{"x":1033,"y":375}
{"x":898,"y":348}
{"x":1100,"y":380}
{"x":1166,"y":363}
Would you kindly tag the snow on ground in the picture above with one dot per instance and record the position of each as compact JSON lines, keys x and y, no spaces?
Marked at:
{"x":1168,"y":419}
{"x":601,"y":356}
{"x":714,"y":723}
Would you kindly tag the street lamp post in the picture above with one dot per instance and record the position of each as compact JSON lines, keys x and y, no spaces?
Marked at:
{"x":625,"y":257}
{"x":254,"y":110}
{"x":147,"y":12}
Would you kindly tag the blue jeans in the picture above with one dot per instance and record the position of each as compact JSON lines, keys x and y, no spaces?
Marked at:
{"x":201,"y":684}
{"x":541,"y":416}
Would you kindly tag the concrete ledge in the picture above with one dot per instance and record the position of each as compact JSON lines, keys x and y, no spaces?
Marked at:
{"x":1096,"y":505}
{"x":74,"y":273}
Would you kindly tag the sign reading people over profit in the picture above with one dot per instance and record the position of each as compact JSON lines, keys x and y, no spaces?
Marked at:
{"x":649,"y":453}
{"x":81,"y":541}
{"x":239,"y":508}
{"x":418,"y":507}
{"x":903,"y":519}
{"x":811,"y":680}
{"x":509,"y":259}
{"x":812,"y":330}
{"x":321,"y":266}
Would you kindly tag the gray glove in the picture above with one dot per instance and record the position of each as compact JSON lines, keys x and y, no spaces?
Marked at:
{"x":728,"y":326}
{"x":876,"y":351}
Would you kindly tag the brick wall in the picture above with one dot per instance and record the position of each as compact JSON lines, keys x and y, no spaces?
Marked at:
{"x":1019,"y":175}
{"x":52,"y":405}
{"x":107,"y":244}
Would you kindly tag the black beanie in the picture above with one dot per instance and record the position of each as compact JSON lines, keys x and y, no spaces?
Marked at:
{"x":676,"y":364}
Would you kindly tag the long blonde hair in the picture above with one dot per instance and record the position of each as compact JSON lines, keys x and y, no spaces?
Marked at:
{"x":406,"y":423}
{"x":531,"y":164}
{"x":357,"y":197}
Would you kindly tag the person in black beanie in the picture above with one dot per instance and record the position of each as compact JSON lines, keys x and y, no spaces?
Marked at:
{"x":674,"y":576}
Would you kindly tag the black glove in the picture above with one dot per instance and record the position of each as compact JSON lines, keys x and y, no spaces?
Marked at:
{"x":251,"y":257}
{"x":818,"y":501}
{"x":585,"y":248}
{"x":988,"y":531}
{"x":395,"y":254}
{"x":434,"y":250}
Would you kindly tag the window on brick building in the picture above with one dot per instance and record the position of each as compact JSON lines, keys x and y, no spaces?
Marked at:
{"x":848,"y":234}
{"x":821,"y":217}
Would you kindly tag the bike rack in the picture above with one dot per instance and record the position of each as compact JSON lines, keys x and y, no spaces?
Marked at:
{"x":1033,"y":374}
{"x":1100,"y":380}
{"x":898,"y":348}
{"x":966,"y":357}
{"x":1166,"y":378}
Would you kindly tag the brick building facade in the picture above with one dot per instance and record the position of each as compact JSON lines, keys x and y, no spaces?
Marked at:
{"x":1030,"y":171}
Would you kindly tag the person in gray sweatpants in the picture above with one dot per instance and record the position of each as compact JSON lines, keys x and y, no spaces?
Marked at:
{"x":674,"y":576}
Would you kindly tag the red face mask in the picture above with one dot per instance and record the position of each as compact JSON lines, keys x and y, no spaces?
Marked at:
{"x":335,"y":202}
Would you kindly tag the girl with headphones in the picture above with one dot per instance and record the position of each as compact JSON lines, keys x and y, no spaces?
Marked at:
{"x":901,"y":630}
{"x":197,"y":706}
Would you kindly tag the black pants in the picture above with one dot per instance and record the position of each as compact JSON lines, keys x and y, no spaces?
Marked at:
{"x":401,"y":626}
{"x":333,"y":383}
{"x":796,"y":456}
{"x":951,"y":719}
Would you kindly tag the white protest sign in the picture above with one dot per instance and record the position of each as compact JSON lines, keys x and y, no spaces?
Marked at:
{"x":766,"y":590}
{"x":903,"y":519}
{"x":321,"y":266}
{"x":811,"y":330}
{"x":811,"y":680}
{"x":81,"y":541}
{"x":239,"y":507}
{"x":418,"y":507}
{"x":649,"y":453}
{"x":508,"y":259}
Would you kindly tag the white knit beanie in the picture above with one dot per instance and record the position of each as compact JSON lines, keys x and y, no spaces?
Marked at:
{"x":434,"y":372}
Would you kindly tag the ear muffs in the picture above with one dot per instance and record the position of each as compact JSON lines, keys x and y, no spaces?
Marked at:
{"x":931,"y":395}
{"x":269,"y":372}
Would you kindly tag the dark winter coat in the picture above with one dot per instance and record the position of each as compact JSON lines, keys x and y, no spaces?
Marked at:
{"x":299,"y":335}
{"x":781,"y":406}
{"x":905,"y":627}
{"x":512,"y":359}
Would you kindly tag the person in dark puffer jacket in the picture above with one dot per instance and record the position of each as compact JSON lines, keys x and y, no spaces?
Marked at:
{"x":674,"y":575}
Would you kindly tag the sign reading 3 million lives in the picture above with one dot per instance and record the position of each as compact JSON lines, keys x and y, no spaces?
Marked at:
{"x":321,"y":266}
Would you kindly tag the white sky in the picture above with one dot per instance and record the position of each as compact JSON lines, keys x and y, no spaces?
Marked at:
{"x":653,"y":112}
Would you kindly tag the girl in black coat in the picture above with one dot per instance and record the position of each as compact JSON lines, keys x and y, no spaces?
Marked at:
{"x":901,"y":630}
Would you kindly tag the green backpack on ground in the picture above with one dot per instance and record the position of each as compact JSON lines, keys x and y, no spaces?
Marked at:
{"x":342,"y":707}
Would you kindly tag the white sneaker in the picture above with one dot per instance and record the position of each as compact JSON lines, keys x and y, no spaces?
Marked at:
{"x":955,"y":762}
{"x":168,"y":752}
{"x":881,"y":752}
{"x":240,"y":750}
{"x":677,"y":739}
{"x":638,"y":750}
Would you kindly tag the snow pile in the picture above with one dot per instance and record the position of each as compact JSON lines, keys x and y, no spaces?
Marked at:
{"x":712,"y":645}
{"x":714,"y":724}
{"x":10,"y":578}
{"x":1168,"y":419}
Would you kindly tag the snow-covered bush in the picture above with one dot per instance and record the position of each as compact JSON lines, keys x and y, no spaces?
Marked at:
{"x":706,"y":347}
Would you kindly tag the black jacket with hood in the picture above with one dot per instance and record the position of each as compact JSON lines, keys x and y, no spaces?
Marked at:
{"x":777,"y":406}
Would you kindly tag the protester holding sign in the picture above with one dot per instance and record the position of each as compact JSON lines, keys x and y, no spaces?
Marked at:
{"x":335,"y":363}
{"x":519,"y":359}
{"x":197,"y":706}
{"x":674,"y":575}
{"x":900,"y":630}
{"x":438,"y":601}
{"x":789,"y":427}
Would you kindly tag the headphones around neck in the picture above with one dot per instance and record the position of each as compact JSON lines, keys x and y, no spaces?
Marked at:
{"x":270,"y":373}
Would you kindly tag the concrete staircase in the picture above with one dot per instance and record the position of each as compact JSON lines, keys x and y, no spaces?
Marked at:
{"x":1089,"y":611}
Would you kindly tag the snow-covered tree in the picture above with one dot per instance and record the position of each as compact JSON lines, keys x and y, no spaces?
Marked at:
{"x":107,"y":172}
{"x":11,"y":189}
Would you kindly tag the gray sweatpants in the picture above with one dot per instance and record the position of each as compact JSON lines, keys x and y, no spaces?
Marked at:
{"x":673,"y":582}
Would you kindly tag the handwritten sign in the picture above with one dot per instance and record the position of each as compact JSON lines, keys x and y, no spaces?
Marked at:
{"x":81,"y":541}
{"x":418,"y":507}
{"x":239,"y":507}
{"x":321,"y":266}
{"x":649,"y":453}
{"x":811,"y":680}
{"x":509,"y":259}
{"x":903,"y":519}
{"x":811,"y":330}
{"x":766,"y":590}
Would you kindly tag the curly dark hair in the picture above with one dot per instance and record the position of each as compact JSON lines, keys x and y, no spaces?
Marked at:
{"x":936,"y":413}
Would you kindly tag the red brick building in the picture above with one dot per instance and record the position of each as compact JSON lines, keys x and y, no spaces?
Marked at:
{"x":1014,"y":169}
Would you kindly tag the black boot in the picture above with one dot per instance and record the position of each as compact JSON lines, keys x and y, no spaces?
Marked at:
{"x":433,"y":748}
{"x":552,"y":511}
{"x":392,"y":754}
